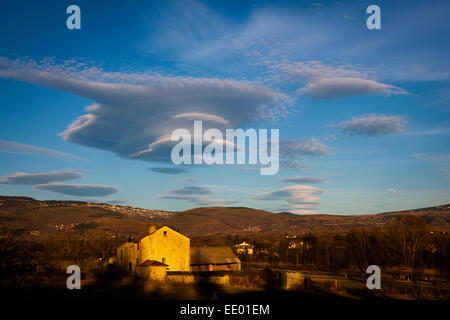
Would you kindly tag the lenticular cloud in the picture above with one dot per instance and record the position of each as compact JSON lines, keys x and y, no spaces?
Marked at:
{"x":373,"y":125}
{"x":80,"y":190}
{"x":131,"y":111}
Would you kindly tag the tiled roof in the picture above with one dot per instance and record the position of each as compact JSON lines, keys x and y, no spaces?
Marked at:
{"x":152,"y":263}
{"x":213,"y":255}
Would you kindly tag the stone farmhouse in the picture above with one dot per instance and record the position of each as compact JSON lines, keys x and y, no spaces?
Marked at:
{"x":165,"y":250}
{"x":163,"y":245}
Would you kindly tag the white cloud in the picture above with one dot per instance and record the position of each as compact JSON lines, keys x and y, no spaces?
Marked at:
{"x":133,"y":110}
{"x":201,"y":116}
{"x":41,"y":178}
{"x":327,"y":81}
{"x":271,"y":34}
{"x":373,"y":125}
{"x":294,"y":195}
{"x":331,"y":88}
{"x":80,"y":190}
{"x":331,"y":81}
{"x":298,"y":199}
{"x":20,"y":148}
{"x":269,"y":39}
{"x":312,"y":71}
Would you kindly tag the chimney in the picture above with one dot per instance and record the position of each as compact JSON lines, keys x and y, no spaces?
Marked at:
{"x":152,"y":228}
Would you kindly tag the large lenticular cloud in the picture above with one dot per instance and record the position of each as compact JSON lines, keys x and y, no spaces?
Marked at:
{"x":131,"y":111}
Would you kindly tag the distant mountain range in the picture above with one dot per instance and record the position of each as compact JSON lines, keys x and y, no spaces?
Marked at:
{"x":36,"y":217}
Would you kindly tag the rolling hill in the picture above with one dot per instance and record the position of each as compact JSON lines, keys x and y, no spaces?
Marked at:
{"x":30,"y":215}
{"x":220,"y":220}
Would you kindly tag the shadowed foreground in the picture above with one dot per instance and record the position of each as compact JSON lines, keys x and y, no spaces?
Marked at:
{"x":136,"y":289}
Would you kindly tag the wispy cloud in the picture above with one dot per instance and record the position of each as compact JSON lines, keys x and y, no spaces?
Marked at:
{"x":20,"y":148}
{"x":313,"y":71}
{"x":274,"y":36}
{"x":41,"y":178}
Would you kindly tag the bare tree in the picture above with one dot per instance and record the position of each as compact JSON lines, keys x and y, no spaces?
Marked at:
{"x":411,"y":238}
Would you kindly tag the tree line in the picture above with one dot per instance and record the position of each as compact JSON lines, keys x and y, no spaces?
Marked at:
{"x":406,"y":242}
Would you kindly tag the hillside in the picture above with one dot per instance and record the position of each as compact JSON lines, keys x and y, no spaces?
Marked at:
{"x":27,"y":214}
{"x":220,"y":220}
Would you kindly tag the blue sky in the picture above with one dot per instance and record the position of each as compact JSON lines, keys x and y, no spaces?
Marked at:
{"x":363,"y":114}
